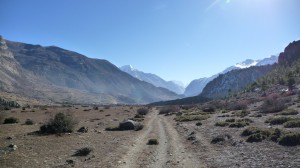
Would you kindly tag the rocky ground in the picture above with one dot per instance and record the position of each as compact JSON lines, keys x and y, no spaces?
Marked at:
{"x":181,"y":144}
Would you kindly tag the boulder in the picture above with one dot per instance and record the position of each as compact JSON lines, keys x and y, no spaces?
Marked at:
{"x":127,"y":125}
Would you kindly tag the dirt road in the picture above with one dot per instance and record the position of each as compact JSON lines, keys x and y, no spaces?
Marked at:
{"x":170,"y":152}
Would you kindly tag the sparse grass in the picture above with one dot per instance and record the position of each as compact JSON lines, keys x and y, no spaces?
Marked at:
{"x":10,"y":120}
{"x":137,"y":119}
{"x":256,"y":115}
{"x":247,"y":120}
{"x":230,"y":120}
{"x":186,"y":118}
{"x":241,"y":114}
{"x":61,"y":123}
{"x":289,"y":112}
{"x":83,"y":152}
{"x":222,"y":124}
{"x":152,"y":142}
{"x":220,"y":138}
{"x":278,"y":120}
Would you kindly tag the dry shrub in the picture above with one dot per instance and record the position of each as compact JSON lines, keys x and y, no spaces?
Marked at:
{"x":61,"y":123}
{"x":142,"y":111}
{"x":238,"y":105}
{"x":273,"y":105}
{"x":168,"y":109}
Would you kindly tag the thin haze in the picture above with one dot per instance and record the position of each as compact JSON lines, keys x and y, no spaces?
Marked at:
{"x":175,"y":39}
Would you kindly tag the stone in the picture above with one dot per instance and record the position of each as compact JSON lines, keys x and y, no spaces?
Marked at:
{"x":83,"y":129}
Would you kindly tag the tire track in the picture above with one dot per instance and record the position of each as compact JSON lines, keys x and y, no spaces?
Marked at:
{"x":130,"y":159}
{"x":170,"y":152}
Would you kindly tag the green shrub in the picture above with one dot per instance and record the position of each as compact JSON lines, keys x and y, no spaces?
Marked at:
{"x":253,"y":130}
{"x":276,"y":135}
{"x":152,"y":142}
{"x":29,"y":122}
{"x":292,"y":124}
{"x":290,"y":139}
{"x":238,"y":124}
{"x":83,"y":152}
{"x":61,"y":123}
{"x":10,"y":120}
{"x":289,"y":112}
{"x":278,"y":120}
{"x":222,"y":124}
{"x":258,"y":137}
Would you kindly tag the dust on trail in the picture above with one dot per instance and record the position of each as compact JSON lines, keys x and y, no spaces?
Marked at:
{"x":170,"y":152}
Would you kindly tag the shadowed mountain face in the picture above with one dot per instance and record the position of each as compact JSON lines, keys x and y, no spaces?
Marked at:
{"x":291,"y":54}
{"x":197,"y":85}
{"x":153,"y":79}
{"x":233,"y":81}
{"x":75,"y":73}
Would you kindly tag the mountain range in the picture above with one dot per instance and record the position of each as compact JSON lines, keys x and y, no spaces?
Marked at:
{"x":174,"y":86}
{"x":54,"y":74}
{"x":196,"y":86}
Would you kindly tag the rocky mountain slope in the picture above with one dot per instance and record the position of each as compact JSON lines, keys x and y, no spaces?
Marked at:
{"x":233,"y":81}
{"x":69,"y":76}
{"x":153,"y":79}
{"x":196,"y":86}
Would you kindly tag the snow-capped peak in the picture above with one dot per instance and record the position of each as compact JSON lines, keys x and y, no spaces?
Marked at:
{"x":246,"y":64}
{"x":127,"y":68}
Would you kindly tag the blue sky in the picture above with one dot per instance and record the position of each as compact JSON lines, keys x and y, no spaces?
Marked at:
{"x":175,"y":39}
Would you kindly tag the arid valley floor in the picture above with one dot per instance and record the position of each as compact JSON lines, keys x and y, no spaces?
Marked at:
{"x":181,"y":144}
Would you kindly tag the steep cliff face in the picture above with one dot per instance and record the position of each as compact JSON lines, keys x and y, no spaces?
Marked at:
{"x":11,"y":73}
{"x":233,"y":81}
{"x":291,"y":54}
